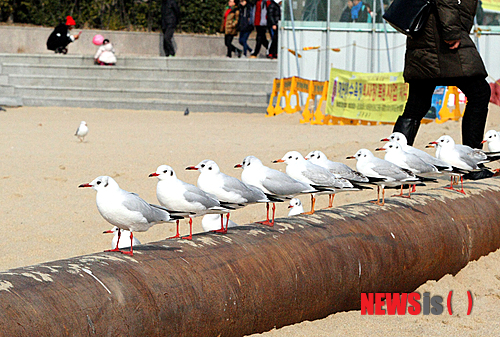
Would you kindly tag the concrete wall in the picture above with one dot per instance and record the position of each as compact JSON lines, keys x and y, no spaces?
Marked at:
{"x":32,"y":40}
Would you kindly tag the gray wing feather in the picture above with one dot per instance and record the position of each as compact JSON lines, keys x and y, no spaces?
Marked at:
{"x":134,"y":203}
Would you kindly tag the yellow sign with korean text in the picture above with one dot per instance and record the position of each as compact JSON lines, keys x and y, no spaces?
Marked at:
{"x":378,"y":97}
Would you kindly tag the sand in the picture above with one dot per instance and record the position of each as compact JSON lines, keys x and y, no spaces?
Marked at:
{"x":47,"y":217}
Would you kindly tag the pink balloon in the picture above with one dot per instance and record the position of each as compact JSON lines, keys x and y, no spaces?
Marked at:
{"x":98,"y":39}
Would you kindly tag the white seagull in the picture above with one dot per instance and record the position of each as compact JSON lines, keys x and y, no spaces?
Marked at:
{"x":295,"y":207}
{"x":272,"y":182}
{"x":177,"y":195}
{"x":389,"y":174}
{"x":121,"y":233}
{"x":225,"y":188}
{"x":82,"y":131}
{"x":401,"y":139}
{"x":125,"y":210}
{"x":339,"y":170}
{"x":318,"y":177}
{"x":492,"y":140}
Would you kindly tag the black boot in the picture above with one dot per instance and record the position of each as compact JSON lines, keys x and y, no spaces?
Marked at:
{"x":408,"y":127}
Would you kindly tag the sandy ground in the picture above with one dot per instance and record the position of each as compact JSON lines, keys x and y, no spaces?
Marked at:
{"x":47,"y":217}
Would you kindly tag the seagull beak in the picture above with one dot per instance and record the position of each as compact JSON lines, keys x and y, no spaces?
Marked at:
{"x":279,"y":161}
{"x":290,"y":206}
{"x":108,"y":232}
{"x":379,"y":149}
{"x":154,"y":174}
{"x":85,"y":185}
{"x":385,"y":140}
{"x":191,"y":168}
{"x":484,"y":141}
{"x":350,"y":157}
{"x":431,"y":144}
{"x":238,"y":166}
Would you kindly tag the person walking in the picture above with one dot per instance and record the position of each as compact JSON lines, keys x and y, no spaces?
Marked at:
{"x":170,"y":15}
{"x":61,"y":37}
{"x":273,"y":18}
{"x":246,"y":24}
{"x":230,"y":27}
{"x":260,"y":23}
{"x":444,"y":54}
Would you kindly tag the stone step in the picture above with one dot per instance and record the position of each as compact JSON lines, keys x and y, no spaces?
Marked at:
{"x":146,"y":104}
{"x":135,"y":83}
{"x":100,"y":93}
{"x":135,"y":61}
{"x":136,"y":72}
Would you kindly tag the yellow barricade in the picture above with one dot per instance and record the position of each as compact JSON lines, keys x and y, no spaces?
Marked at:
{"x":298,"y":85}
{"x":446,"y":113}
{"x":274,"y":93}
{"x":308,"y":115}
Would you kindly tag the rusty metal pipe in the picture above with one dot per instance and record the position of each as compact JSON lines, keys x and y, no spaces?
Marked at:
{"x":255,"y":278}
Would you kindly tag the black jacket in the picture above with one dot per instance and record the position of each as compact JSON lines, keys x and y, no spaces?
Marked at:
{"x":428,"y":56}
{"x":170,"y":14}
{"x":273,"y":14}
{"x":246,"y":18}
{"x":59,"y":37}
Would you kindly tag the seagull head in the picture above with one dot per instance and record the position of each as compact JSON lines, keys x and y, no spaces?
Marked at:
{"x":295,"y":202}
{"x":362,"y":154}
{"x":164,"y":172}
{"x":444,"y":141}
{"x":290,"y":157}
{"x":249,"y":162}
{"x":391,"y":146}
{"x":398,"y":137}
{"x":206,"y":166}
{"x":490,"y":136}
{"x":316,"y":156}
{"x":102,"y":183}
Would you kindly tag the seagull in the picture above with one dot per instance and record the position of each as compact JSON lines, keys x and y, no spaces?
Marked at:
{"x":461,"y":156}
{"x":318,"y":177}
{"x":272,"y":182}
{"x":391,"y":175}
{"x":176,"y":195}
{"x":295,"y":207}
{"x":225,"y":188}
{"x":492,"y":140}
{"x":82,"y":131}
{"x":125,"y":210}
{"x":339,"y":170}
{"x":211,"y":222}
{"x":121,"y":233}
{"x":396,"y":155}
{"x":401,"y":139}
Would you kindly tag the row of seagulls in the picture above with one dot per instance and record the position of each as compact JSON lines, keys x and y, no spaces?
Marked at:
{"x":217,"y":194}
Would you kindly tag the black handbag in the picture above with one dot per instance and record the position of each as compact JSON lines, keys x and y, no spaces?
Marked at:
{"x":408,"y":16}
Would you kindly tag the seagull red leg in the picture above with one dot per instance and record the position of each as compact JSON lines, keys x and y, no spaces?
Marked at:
{"x":117,"y":242}
{"x":223,"y":230}
{"x":176,"y":235}
{"x":190,"y":236}
{"x":313,"y":201}
{"x":267,"y":222}
{"x":131,"y":251}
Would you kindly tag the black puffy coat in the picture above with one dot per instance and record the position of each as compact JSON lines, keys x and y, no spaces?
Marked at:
{"x":59,"y":37}
{"x":429,"y":56}
{"x":273,"y":14}
{"x":170,"y":14}
{"x":246,"y":18}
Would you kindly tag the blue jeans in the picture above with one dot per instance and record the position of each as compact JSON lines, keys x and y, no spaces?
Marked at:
{"x":243,"y":41}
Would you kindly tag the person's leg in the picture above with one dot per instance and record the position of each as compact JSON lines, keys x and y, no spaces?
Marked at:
{"x":478,"y":92}
{"x":227,"y":41}
{"x":418,"y":104}
{"x":234,"y":48}
{"x":243,"y":41}
{"x":168,"y":46}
